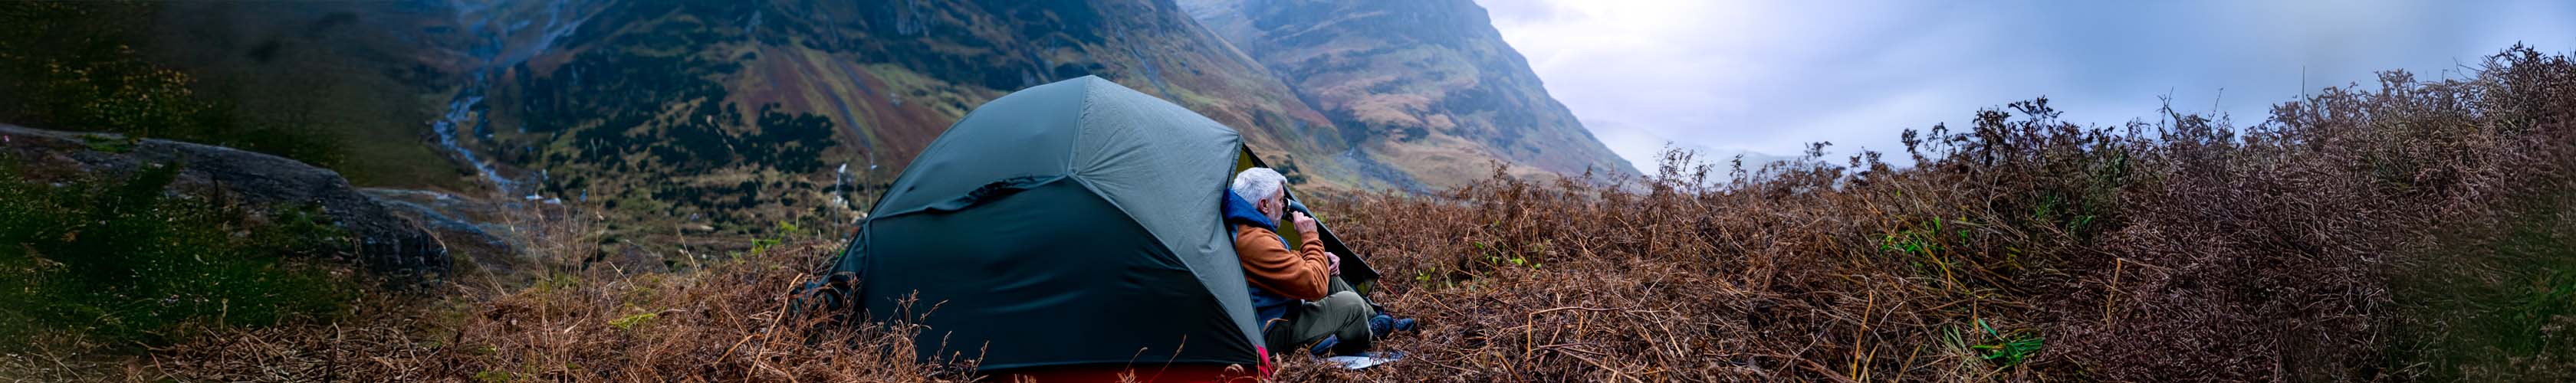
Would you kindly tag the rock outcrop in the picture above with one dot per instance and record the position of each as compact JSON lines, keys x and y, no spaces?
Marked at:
{"x":387,"y":244}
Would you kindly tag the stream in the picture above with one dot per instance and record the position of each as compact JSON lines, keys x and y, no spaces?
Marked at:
{"x":500,"y":36}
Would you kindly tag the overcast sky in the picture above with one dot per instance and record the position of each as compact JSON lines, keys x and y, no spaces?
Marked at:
{"x":1769,"y":76}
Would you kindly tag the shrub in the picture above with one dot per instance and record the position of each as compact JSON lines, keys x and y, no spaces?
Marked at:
{"x":2414,"y":231}
{"x":116,"y":263}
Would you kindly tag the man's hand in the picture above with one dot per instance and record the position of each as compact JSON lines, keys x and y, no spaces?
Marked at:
{"x":1336,"y":264}
{"x":1305,"y":224}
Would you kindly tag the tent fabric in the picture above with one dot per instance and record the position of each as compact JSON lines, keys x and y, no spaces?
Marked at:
{"x":1035,"y":275}
{"x":1170,"y":167}
{"x":1073,"y":223}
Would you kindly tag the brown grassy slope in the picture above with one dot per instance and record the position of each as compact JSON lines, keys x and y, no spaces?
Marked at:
{"x":723,"y":323}
{"x":2420,"y":231}
{"x":581,"y":321}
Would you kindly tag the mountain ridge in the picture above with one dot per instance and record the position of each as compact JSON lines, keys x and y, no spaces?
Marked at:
{"x":1431,"y":84}
{"x":733,"y":115}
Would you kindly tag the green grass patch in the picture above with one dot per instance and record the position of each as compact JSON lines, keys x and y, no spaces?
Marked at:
{"x":2495,"y":304}
{"x":117,"y":263}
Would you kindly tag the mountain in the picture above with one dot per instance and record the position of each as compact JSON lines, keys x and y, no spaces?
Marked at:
{"x":742,"y":113}
{"x":742,"y":110}
{"x":729,"y":117}
{"x":1429,"y":86}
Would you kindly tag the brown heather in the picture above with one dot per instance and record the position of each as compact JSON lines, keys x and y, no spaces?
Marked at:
{"x":726,"y":321}
{"x":2422,"y":231}
{"x":723,"y":323}
{"x":2425,"y":230}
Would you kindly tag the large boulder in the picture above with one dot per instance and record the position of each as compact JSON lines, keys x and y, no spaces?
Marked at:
{"x":479,"y":233}
{"x":388,"y":244}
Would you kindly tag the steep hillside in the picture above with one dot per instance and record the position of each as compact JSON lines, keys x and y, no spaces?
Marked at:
{"x":311,"y":81}
{"x":1426,"y":86}
{"x":693,"y":119}
{"x":741,"y":113}
{"x":882,"y":79}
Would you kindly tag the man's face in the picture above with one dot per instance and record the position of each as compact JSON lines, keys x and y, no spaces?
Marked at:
{"x":1276,"y":207}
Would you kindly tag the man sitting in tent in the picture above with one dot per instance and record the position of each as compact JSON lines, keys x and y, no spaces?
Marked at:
{"x":1296,"y":296}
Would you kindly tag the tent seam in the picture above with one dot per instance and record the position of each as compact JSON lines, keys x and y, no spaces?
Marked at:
{"x":1081,"y":115}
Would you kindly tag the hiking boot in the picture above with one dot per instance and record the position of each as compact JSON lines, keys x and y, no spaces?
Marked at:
{"x":1325,"y":347}
{"x":1383,"y":325}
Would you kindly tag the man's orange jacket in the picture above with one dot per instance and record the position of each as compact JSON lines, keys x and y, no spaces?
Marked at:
{"x":1302,"y":274}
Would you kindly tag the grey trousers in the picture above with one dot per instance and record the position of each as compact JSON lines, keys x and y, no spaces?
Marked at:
{"x":1342,"y":313}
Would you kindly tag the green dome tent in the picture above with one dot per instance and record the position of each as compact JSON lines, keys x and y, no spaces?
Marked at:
{"x":1068,"y":224}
